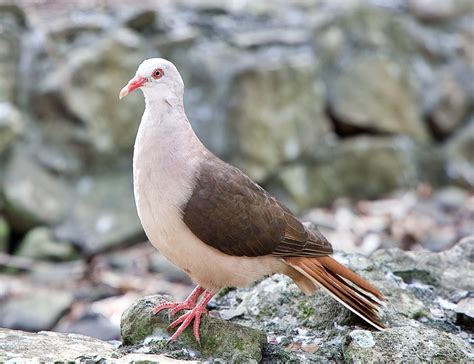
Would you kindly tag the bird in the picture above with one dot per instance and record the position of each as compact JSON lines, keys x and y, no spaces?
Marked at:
{"x":216,"y":224}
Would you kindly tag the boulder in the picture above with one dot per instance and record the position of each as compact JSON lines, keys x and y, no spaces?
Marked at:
{"x":40,"y":243}
{"x":11,"y":125}
{"x":433,"y":11}
{"x":276,"y":114}
{"x":35,"y":311}
{"x":373,"y":94}
{"x":417,"y":311}
{"x":401,"y":344}
{"x":4,"y":234}
{"x":460,"y":156}
{"x":220,"y":340}
{"x":103,"y":215}
{"x":32,"y":195}
{"x":359,"y":167}
{"x":12,"y":25}
{"x":449,"y":101}
{"x":19,"y":346}
{"x":92,"y":76}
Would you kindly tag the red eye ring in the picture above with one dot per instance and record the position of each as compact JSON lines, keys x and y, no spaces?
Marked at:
{"x":157,"y":73}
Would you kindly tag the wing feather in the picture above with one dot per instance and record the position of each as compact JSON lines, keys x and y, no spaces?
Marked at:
{"x":230,"y":212}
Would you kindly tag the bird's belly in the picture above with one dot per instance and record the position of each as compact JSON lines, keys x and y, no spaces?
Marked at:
{"x":206,"y":265}
{"x":209,"y":267}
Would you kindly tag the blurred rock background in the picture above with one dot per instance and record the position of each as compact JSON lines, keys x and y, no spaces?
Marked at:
{"x":361,"y":108}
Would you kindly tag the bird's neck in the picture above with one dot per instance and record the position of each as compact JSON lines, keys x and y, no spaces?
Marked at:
{"x":165,"y":131}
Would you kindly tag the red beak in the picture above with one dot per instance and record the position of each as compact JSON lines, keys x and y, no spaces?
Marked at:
{"x":132,"y":85}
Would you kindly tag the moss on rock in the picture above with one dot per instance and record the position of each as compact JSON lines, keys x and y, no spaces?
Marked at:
{"x":219,"y":339}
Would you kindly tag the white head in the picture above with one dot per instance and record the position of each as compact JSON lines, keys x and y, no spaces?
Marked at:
{"x":158,"y":78}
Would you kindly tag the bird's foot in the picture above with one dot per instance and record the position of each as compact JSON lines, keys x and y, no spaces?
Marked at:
{"x":194,"y":314}
{"x":187,"y":304}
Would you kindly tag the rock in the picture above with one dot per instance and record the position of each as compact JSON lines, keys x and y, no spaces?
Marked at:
{"x":19,"y":346}
{"x":65,"y":34}
{"x":343,"y":170}
{"x":432,"y":10}
{"x":400,"y":344}
{"x":159,"y":264}
{"x":420,"y":312}
{"x":40,"y":243}
{"x":104,"y":214}
{"x":270,"y":36}
{"x":207,"y":91}
{"x":11,"y":125}
{"x":373,"y":93}
{"x":434,"y":269}
{"x":450,"y":104}
{"x":460,"y":156}
{"x":277,"y":114}
{"x":90,"y":324}
{"x":451,"y":198}
{"x":12,"y":23}
{"x":151,"y":359}
{"x":142,"y":20}
{"x":91,"y":76}
{"x":35,"y":311}
{"x":465,"y":311}
{"x":31,"y":194}
{"x":220,"y":340}
{"x":4,"y":234}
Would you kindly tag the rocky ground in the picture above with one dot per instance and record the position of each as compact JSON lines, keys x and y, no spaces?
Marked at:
{"x":429,"y":294}
{"x":428,"y":315}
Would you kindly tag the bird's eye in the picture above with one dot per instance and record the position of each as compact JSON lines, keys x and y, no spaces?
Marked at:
{"x":158,"y":73}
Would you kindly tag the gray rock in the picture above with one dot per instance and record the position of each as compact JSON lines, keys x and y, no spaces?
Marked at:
{"x":19,"y":346}
{"x":40,"y":243}
{"x":12,"y":23}
{"x":374,"y":94}
{"x":359,"y":167}
{"x":420,"y":312}
{"x":220,"y":340}
{"x":277,"y":114}
{"x":435,"y":269}
{"x":92,"y":76}
{"x":207,"y":91}
{"x":141,"y":20}
{"x":450,"y":104}
{"x":451,"y":198}
{"x":401,"y":344}
{"x":465,"y":311}
{"x":32,"y":195}
{"x":159,"y":264}
{"x":90,"y":324}
{"x":103,"y":215}
{"x":38,"y":310}
{"x":432,"y":10}
{"x":4,"y":234}
{"x":11,"y":125}
{"x":460,"y":156}
{"x":136,"y":358}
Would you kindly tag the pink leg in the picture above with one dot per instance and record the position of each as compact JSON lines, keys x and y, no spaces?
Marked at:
{"x":195,"y":314}
{"x":188,"y":303}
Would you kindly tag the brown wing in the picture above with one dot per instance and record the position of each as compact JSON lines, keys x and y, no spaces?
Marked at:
{"x":228,"y":211}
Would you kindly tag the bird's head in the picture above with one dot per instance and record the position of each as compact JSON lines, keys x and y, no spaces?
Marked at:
{"x":157,"y":78}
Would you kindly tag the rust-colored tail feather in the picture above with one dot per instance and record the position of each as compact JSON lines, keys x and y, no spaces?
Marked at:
{"x":345,"y":286}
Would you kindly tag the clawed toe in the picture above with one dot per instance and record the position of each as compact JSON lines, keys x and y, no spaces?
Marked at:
{"x":196,"y":310}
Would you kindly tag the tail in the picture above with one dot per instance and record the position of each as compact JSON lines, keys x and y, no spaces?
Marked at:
{"x":348,"y":288}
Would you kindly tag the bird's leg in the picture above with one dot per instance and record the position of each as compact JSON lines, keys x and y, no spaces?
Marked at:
{"x":187,"y":304}
{"x":195,"y":314}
